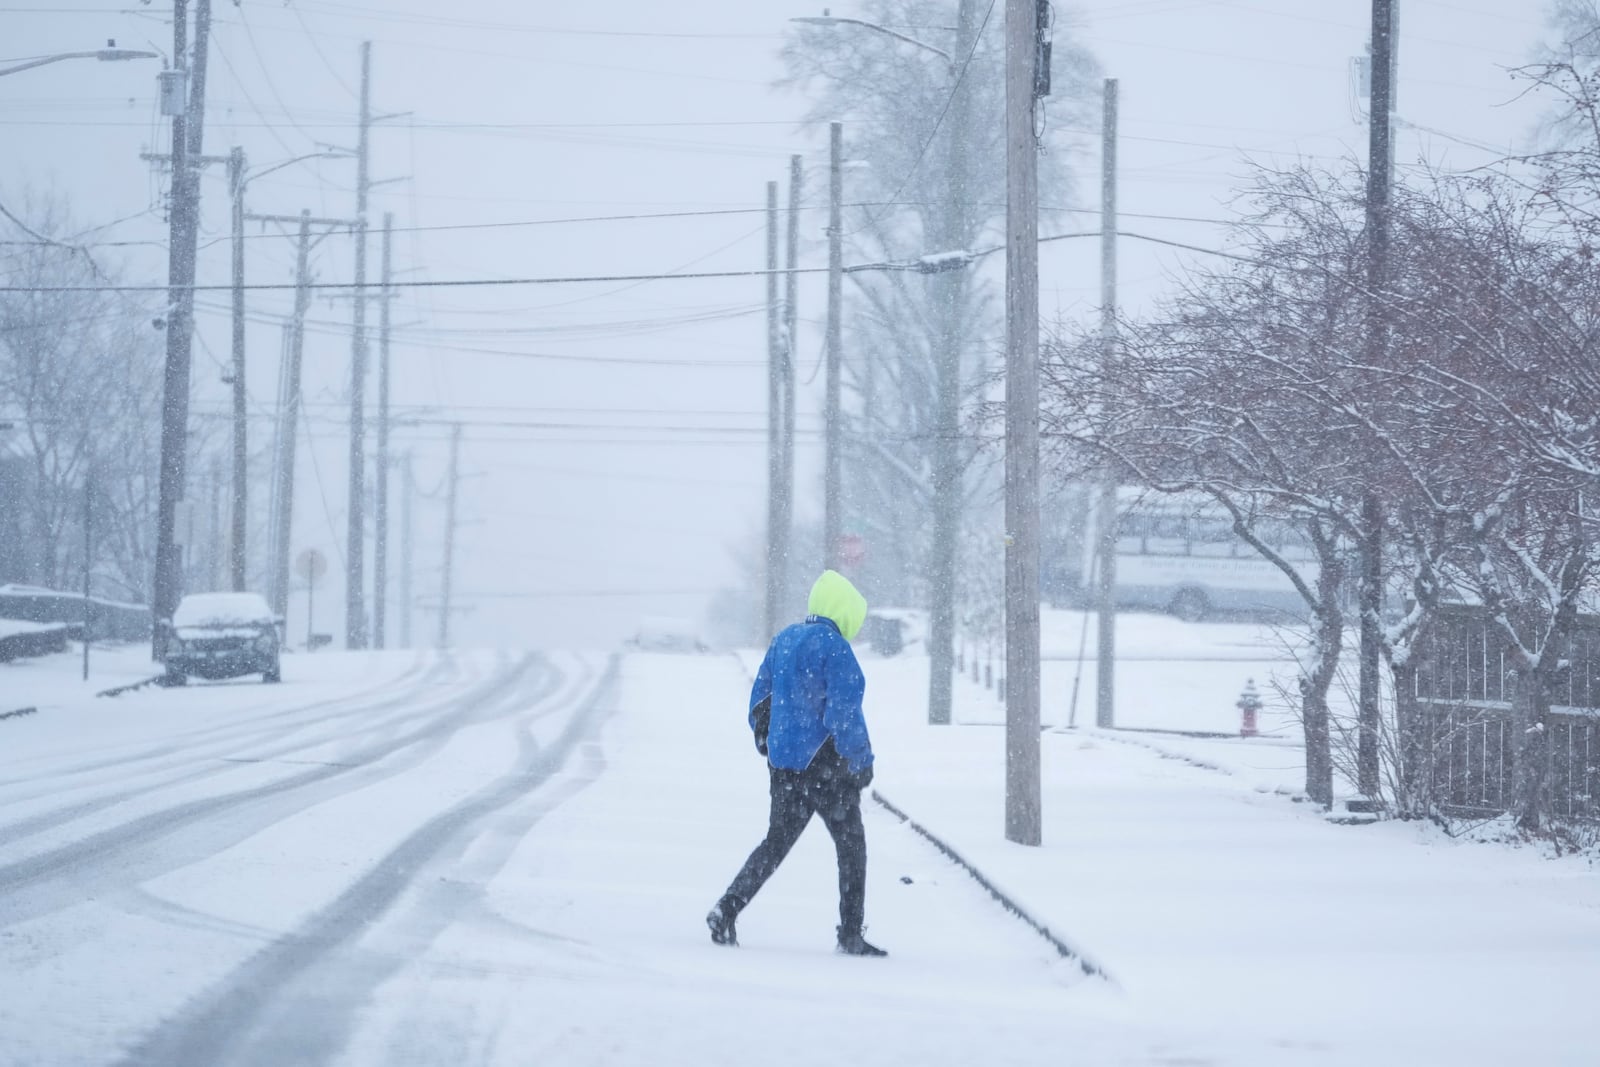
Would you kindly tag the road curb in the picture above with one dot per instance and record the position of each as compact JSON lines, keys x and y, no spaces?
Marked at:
{"x":118,"y":690}
{"x":1067,"y":951}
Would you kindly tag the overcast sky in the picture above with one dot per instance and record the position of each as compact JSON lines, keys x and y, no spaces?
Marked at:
{"x":614,"y":450}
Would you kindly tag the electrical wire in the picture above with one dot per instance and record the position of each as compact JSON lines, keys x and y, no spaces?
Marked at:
{"x":379,"y":15}
{"x":316,"y":47}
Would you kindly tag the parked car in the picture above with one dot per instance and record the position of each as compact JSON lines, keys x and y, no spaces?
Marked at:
{"x":663,"y":634}
{"x":888,"y":631}
{"x":222,"y":635}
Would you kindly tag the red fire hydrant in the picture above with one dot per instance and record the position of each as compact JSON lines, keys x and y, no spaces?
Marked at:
{"x":1249,"y":704}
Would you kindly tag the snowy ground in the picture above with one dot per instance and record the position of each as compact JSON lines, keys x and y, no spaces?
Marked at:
{"x":54,"y":681}
{"x":505,"y":859}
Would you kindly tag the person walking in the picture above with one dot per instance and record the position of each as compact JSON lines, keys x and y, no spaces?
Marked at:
{"x":805,"y":712}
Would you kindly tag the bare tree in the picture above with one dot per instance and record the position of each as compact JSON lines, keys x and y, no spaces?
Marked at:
{"x":80,"y":380}
{"x":919,"y":86}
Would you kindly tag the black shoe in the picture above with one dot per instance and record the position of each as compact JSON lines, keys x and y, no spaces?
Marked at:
{"x":853,"y":944}
{"x":720,"y":920}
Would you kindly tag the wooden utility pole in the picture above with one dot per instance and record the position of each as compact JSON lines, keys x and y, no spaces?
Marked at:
{"x":447,"y":575}
{"x":355,"y":616}
{"x":1023,"y":806}
{"x":1106,"y":512}
{"x":188,"y":127}
{"x":217,"y":551}
{"x":786,"y":387}
{"x":950,"y":291}
{"x":832,"y":495}
{"x":380,"y":544}
{"x":88,"y":563}
{"x":289,"y":401}
{"x":408,"y":487}
{"x":774,"y":421}
{"x":288,"y":420}
{"x":241,"y":473}
{"x":1379,"y":182}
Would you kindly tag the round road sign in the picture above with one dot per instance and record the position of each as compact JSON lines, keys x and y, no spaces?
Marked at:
{"x":311,"y":565}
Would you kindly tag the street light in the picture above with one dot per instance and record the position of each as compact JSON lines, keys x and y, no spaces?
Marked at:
{"x":834,"y":20}
{"x":953,"y":235}
{"x":239,"y":179}
{"x":109,"y":54}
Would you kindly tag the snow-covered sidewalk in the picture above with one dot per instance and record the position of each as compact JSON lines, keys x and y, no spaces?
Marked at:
{"x":56,"y":681}
{"x":1247,"y":920}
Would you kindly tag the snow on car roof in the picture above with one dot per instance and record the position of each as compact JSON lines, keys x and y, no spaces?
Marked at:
{"x":208,"y":609}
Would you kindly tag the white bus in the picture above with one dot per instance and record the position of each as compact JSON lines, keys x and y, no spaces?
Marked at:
{"x":1176,"y":552}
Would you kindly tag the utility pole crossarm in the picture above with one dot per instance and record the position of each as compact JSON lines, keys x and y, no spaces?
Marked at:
{"x":294,"y":220}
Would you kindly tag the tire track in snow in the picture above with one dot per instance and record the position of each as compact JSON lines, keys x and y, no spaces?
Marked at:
{"x":233,"y":730}
{"x":179,"y":764}
{"x":299,"y":999}
{"x":188,"y":832}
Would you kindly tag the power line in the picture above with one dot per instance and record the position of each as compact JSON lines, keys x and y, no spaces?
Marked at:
{"x":379,"y":15}
{"x":955,"y":87}
{"x":312,"y":37}
{"x":631,"y":217}
{"x":916,"y":266}
{"x":216,"y":46}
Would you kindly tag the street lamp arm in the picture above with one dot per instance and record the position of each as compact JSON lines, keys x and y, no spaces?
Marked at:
{"x":253,"y":175}
{"x":102,"y":54}
{"x":830,"y":20}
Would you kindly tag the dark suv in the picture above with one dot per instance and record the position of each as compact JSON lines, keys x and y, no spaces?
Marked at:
{"x":222,"y":635}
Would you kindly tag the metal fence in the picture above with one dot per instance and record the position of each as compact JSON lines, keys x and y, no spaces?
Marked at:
{"x":1463,"y":692}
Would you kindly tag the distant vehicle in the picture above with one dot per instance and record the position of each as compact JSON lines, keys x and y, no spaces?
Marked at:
{"x":222,"y":635}
{"x":668,"y":635}
{"x":1178,"y":553}
{"x":887,"y":631}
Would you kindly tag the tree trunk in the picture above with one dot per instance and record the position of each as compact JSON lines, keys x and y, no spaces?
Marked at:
{"x":1314,"y":686}
{"x":1317,"y":680}
{"x":1530,"y":746}
{"x":1414,"y":770}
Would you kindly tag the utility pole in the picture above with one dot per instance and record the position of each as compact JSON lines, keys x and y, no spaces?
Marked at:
{"x":774,"y":420}
{"x":449,"y":536}
{"x":355,"y":619}
{"x":240,"y":441}
{"x":1105,"y":715}
{"x":288,"y":418}
{"x":380,"y":547}
{"x":832,"y":512}
{"x":289,"y":401}
{"x":1023,"y":807}
{"x":786,"y":384}
{"x":217,"y":551}
{"x":188,"y":128}
{"x":408,"y":487}
{"x":950,"y":298}
{"x":88,"y":561}
{"x":1379,"y":181}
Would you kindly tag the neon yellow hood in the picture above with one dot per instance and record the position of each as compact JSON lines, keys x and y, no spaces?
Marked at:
{"x":833,"y":597}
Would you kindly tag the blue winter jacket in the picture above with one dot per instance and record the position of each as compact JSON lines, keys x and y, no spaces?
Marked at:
{"x":815,"y":683}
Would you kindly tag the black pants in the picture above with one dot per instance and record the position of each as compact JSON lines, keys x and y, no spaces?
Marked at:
{"x":824,"y":789}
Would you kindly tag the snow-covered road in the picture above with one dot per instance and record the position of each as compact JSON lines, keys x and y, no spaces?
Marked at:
{"x":475,"y":859}
{"x":227,"y":874}
{"x":504,"y":859}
